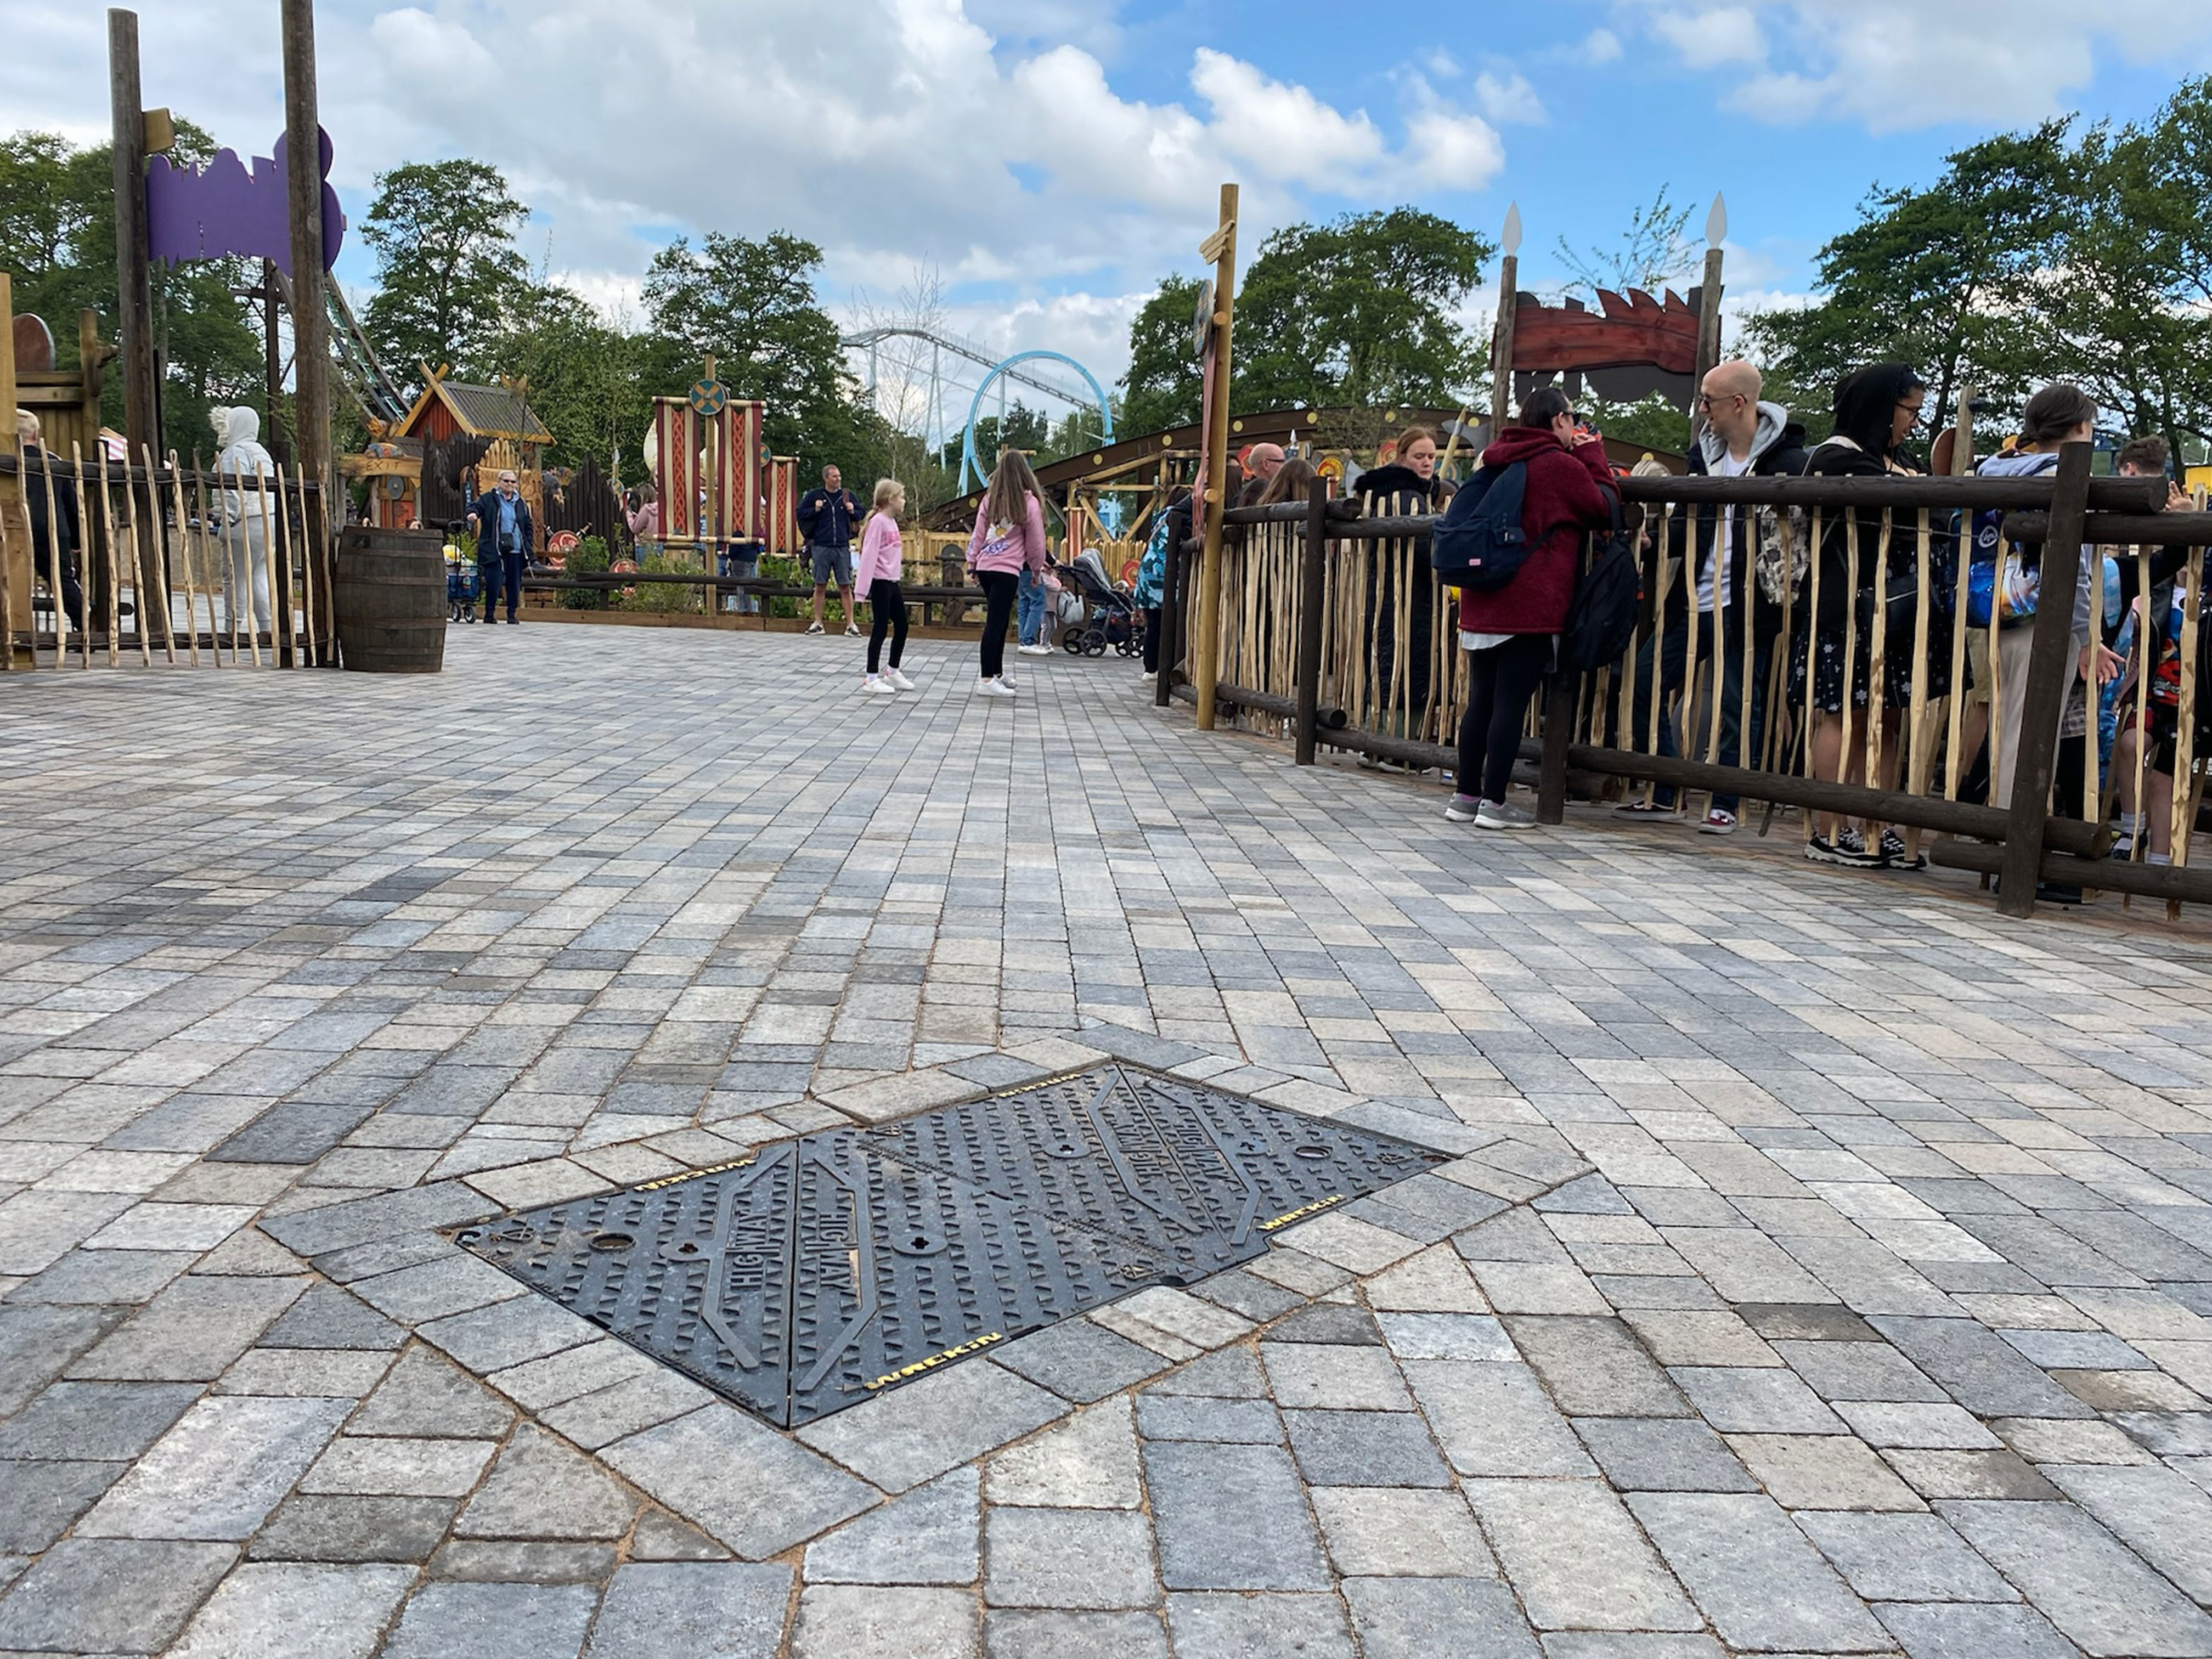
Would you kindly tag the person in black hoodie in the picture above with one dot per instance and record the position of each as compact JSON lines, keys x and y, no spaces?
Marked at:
{"x":55,"y":542}
{"x":1737,"y":436}
{"x":1408,"y":484}
{"x":1876,"y":409}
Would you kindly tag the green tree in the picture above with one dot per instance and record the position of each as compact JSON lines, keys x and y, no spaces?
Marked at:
{"x":1945,"y":278}
{"x":583,"y":374}
{"x":2128,"y":296}
{"x":750,"y":302}
{"x":1360,"y":312}
{"x":1161,"y":388}
{"x":1025,"y":429}
{"x":449,"y":273}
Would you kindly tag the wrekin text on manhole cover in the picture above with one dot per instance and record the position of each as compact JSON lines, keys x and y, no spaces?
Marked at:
{"x":816,"y":1273}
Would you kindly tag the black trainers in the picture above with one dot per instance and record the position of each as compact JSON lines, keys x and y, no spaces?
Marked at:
{"x":1892,"y":853}
{"x":1847,"y":849}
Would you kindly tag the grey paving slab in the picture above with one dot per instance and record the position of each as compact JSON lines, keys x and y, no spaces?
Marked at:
{"x":793,"y":1494}
{"x":220,"y":1471}
{"x":1577,"y":1560}
{"x":925,"y":1536}
{"x":715,"y":1610}
{"x":1436,"y":1619}
{"x":1218,"y":1626}
{"x":95,"y":1420}
{"x":1231,"y":1518}
{"x":1097,"y":1559}
{"x":109,"y":1595}
{"x":861,"y":1621}
{"x":274,"y":1610}
{"x":1904,"y":1557}
{"x":2080,"y":1578}
{"x":1753,"y":1574}
{"x":1022,"y":1634}
{"x":493,"y":1621}
{"x":909,"y":1435}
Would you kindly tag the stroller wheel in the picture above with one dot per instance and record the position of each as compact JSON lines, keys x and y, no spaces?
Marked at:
{"x":1071,"y":641}
{"x":1094,"y":643}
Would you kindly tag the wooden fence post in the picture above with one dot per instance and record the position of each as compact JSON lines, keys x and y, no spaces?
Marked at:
{"x":2050,"y":671}
{"x":1551,"y":768}
{"x":1312,"y":559}
{"x":1222,"y":246}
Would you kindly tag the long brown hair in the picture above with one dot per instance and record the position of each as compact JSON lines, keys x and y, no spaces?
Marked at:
{"x":1011,"y":480}
{"x":1291,"y":482}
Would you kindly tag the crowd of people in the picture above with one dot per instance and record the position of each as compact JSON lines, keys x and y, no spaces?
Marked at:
{"x":1751,"y":577}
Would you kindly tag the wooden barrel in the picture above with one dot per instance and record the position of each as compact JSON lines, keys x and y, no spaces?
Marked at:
{"x":389,"y":601}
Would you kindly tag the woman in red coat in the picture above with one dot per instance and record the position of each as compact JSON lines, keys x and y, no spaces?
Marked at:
{"x":1510,"y":635}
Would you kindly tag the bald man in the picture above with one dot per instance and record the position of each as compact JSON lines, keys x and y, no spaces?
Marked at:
{"x":1262,"y":463}
{"x":1735,"y":435}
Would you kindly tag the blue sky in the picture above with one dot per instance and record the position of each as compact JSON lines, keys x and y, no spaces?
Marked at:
{"x":1050,"y":160}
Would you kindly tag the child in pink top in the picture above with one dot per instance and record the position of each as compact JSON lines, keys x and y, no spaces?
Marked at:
{"x":877,"y":577}
{"x":1009,"y":535}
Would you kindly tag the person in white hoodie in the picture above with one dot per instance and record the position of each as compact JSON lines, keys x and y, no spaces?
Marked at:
{"x":249,"y":506}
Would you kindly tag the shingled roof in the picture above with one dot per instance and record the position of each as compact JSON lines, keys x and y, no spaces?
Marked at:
{"x":482,"y":411}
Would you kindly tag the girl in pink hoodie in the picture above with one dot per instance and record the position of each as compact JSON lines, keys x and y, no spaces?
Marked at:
{"x":1009,"y":535}
{"x":877,"y":577}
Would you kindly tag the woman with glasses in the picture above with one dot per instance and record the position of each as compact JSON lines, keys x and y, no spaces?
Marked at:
{"x":1857,"y":569}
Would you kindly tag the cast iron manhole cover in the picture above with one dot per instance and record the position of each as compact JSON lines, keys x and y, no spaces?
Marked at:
{"x":819,"y":1272}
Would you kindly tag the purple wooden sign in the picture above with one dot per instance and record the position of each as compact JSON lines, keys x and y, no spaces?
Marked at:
{"x":195,"y":213}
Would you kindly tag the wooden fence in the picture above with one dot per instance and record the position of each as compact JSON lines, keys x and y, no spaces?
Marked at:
{"x":177,"y":565}
{"x":1333,"y":631}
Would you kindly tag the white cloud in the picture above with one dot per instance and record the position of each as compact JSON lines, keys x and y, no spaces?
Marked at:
{"x":1601,"y":46}
{"x":1452,"y":150}
{"x":1284,"y":131}
{"x":1509,"y":98}
{"x":1893,"y":65}
{"x":1705,"y":40}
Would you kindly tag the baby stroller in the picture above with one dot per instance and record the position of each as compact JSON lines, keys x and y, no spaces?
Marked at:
{"x":1110,"y":620}
{"x":460,"y":574}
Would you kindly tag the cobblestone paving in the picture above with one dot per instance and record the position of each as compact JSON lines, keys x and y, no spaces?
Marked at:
{"x":1822,"y":1266}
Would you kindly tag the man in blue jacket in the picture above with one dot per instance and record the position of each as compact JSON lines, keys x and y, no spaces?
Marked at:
{"x":501,"y":521}
{"x":827,"y":518}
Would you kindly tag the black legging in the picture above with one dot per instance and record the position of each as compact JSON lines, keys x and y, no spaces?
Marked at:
{"x":1152,"y":640}
{"x":1000,"y":587}
{"x":1500,"y":681}
{"x":888,"y":606}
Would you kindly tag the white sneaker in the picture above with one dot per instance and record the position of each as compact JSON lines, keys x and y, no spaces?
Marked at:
{"x":814,"y":628}
{"x":880,"y":684}
{"x":997,"y":688}
{"x":1034,"y":650}
{"x":898,"y":679}
{"x":852,"y":630}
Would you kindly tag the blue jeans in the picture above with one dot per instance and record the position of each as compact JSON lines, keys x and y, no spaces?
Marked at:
{"x":1674,"y":654}
{"x":501,"y":570}
{"x":1029,"y":602}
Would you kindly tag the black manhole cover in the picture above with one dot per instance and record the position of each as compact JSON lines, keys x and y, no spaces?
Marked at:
{"x":822,"y":1271}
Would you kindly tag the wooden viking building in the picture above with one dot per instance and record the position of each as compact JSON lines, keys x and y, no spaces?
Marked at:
{"x":453,"y":443}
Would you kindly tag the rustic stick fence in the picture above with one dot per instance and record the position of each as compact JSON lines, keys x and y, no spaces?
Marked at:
{"x":171,"y":561}
{"x":1333,"y":631}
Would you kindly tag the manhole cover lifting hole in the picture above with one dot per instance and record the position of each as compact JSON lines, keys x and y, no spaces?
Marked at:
{"x":820,"y":1271}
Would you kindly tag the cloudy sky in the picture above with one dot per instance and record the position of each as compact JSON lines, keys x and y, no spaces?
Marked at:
{"x":1053,"y":158}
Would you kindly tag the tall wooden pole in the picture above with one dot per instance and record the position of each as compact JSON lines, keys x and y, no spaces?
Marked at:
{"x":1207,"y":659}
{"x":1501,"y":337}
{"x":14,"y":522}
{"x":311,"y":352}
{"x":2050,"y":672}
{"x":1709,"y":302}
{"x":134,"y":297}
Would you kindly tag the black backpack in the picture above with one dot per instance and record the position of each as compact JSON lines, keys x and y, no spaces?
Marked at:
{"x":1479,"y":544}
{"x":1601,"y":619}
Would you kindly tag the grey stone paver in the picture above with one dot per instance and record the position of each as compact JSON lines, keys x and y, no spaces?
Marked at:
{"x":1821,"y":1264}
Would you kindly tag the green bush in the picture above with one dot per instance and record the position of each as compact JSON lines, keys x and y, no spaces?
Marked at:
{"x":661,"y":598}
{"x":591,"y":558}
